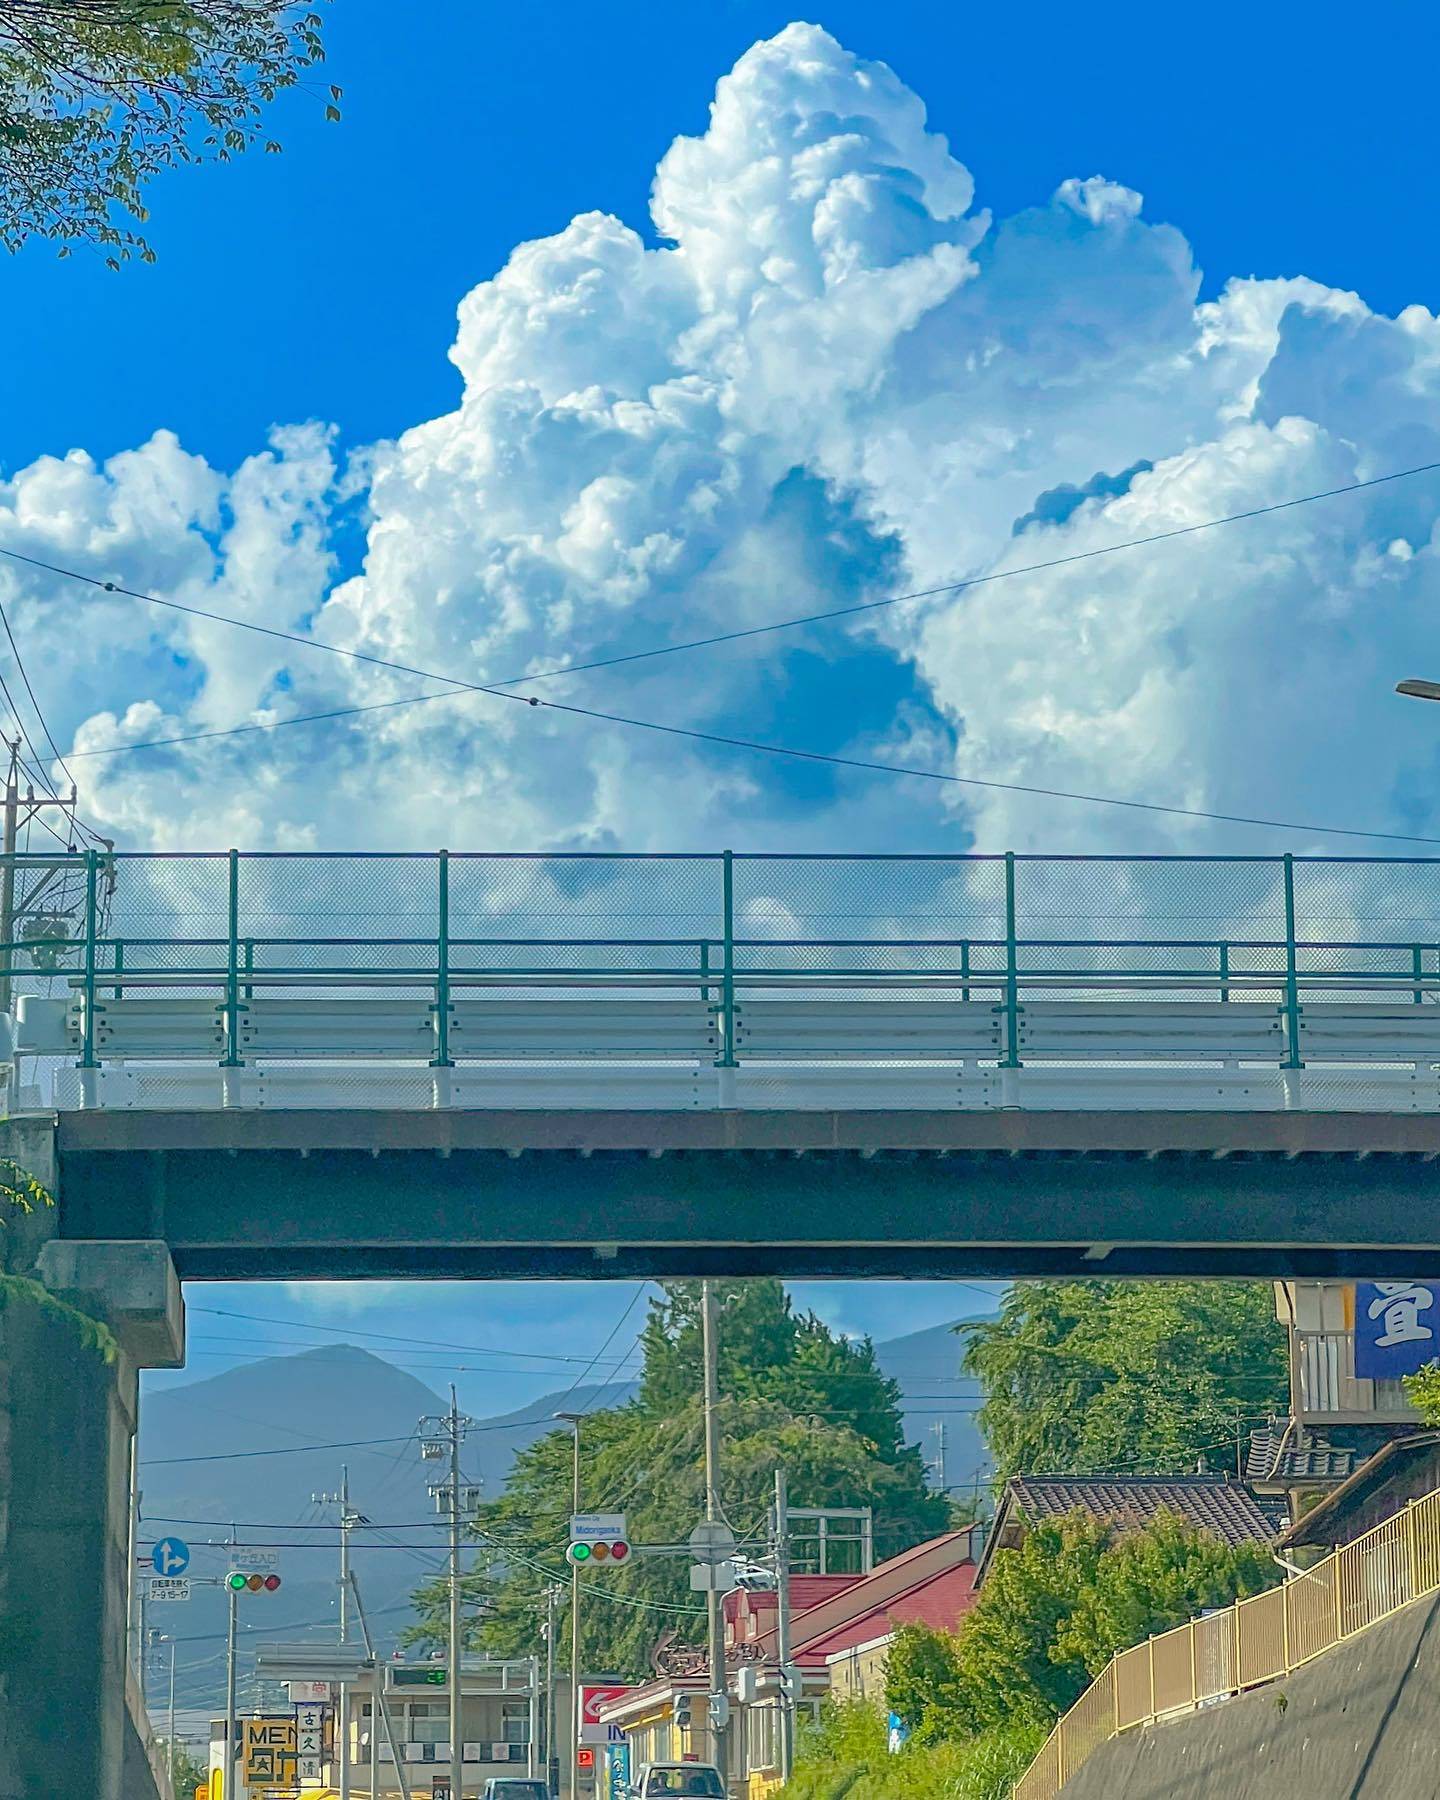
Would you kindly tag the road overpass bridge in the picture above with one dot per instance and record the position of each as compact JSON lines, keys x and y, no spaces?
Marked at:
{"x":230,"y":1065}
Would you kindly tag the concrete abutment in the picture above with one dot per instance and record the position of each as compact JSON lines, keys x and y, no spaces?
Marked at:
{"x":78,"y":1320}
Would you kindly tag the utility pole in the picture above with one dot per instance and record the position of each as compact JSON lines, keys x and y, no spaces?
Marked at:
{"x":380,"y":1711}
{"x":714,"y":1607}
{"x":781,"y":1547}
{"x":552,"y":1765}
{"x":170,"y":1738}
{"x":443,"y":1437}
{"x":940,"y":1467}
{"x":457,"y":1733}
{"x":573,"y":1783}
{"x":33,"y":805}
{"x":349,"y":1519}
{"x":228,"y":1757}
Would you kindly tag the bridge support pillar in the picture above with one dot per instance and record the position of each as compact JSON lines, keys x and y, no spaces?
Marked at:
{"x":74,"y":1333}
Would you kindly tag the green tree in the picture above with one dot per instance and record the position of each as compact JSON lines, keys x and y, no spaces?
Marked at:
{"x":1149,"y":1581}
{"x":1423,"y":1389}
{"x":1052,"y":1613}
{"x":1082,"y":1376}
{"x":98,"y":96}
{"x":791,"y":1392}
{"x":190,"y":1772}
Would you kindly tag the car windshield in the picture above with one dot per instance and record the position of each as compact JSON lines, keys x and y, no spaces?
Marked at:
{"x":702,"y":1782}
{"x":517,"y":1790}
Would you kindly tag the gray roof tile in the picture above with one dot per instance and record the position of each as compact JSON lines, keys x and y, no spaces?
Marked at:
{"x":1212,"y":1502}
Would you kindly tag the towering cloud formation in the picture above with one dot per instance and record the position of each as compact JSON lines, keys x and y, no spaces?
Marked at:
{"x":834,"y":380}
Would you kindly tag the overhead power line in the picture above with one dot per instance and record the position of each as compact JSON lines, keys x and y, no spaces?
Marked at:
{"x":392,"y":1337}
{"x":501,"y":689}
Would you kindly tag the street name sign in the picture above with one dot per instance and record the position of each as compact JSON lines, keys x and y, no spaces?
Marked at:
{"x":249,"y":1559}
{"x":598,"y":1527}
{"x":162,"y":1588}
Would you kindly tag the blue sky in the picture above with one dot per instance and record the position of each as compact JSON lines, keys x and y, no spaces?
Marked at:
{"x":872,"y":360}
{"x":323,"y":283}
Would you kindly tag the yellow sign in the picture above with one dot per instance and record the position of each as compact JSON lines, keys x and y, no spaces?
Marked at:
{"x":269,"y":1752}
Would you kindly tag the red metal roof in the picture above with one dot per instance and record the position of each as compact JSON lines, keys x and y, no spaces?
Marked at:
{"x":932,"y":1582}
{"x":940,"y":1601}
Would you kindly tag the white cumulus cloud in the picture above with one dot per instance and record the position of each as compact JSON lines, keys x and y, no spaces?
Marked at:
{"x":832,"y":378}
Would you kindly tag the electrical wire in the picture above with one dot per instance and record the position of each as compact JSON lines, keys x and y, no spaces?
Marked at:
{"x":391,"y":1337}
{"x":614,"y":1329}
{"x":862,"y":765}
{"x":39,"y":714}
{"x":156,"y":1462}
{"x":726,"y":637}
{"x":865,"y":765}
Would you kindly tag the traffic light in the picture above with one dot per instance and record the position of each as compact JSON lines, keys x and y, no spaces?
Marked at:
{"x":597,"y":1550}
{"x":239,"y":1582}
{"x":685,"y":1712}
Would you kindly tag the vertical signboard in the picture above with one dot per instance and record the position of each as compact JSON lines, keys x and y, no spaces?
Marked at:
{"x":1397,"y":1328}
{"x":309,"y":1739}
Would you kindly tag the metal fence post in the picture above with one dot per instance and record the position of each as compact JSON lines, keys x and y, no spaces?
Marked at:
{"x":1011,"y":1059}
{"x":1285,"y":1587}
{"x":442,"y":1058}
{"x":1235,"y":1648}
{"x":1336,"y":1564}
{"x":231,"y":1058}
{"x":1292,"y":985}
{"x":87,"y":1051}
{"x":1412,"y":1549}
{"x":1224,"y":974}
{"x":727,"y":980}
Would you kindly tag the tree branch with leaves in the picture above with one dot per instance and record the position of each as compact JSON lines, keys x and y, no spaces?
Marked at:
{"x":99,"y":96}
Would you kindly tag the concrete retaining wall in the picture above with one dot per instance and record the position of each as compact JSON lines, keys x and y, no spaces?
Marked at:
{"x":1359,"y":1723}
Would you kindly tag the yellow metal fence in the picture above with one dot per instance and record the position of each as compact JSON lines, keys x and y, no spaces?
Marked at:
{"x":1254,"y":1641}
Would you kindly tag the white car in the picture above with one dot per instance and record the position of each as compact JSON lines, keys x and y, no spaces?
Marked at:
{"x":678,"y":1781}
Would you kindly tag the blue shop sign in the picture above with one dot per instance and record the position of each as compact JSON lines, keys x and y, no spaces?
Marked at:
{"x":1397,"y":1328}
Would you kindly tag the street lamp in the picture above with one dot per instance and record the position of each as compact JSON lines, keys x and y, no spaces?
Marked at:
{"x":1419,"y":690}
{"x":572,"y":1419}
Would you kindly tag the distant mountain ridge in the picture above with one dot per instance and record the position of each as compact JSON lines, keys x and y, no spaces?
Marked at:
{"x":261,"y":1446}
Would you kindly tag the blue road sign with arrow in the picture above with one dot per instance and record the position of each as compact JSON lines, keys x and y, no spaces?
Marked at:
{"x":171,"y":1556}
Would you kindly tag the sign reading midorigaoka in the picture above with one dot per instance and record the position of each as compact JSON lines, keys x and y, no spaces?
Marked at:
{"x":1397,"y":1327}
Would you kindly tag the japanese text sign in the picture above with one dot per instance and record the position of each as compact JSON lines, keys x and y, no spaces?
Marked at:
{"x":1397,"y":1328}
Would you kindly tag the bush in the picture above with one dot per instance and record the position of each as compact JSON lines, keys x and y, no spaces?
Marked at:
{"x":847,"y":1757}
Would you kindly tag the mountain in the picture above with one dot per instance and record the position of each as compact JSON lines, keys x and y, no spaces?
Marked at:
{"x":938,"y":1403}
{"x":263,"y":1443}
{"x":260,"y":1445}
